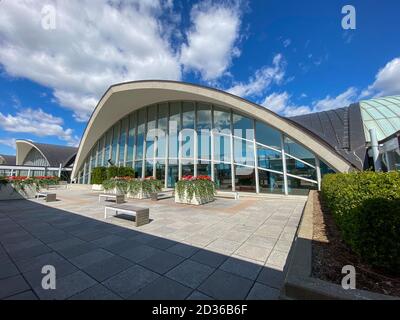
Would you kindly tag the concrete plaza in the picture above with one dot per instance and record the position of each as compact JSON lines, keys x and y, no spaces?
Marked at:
{"x":227,"y":249}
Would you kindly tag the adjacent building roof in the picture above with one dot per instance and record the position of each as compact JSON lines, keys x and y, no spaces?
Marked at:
{"x":7,"y":159}
{"x":341,"y":128}
{"x":54,"y":154}
{"x":383,"y":114}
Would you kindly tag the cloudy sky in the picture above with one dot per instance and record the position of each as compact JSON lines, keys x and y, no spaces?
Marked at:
{"x":290,"y":56}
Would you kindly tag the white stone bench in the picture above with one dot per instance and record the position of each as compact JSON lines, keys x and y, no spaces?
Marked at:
{"x":118,"y":198}
{"x":141,"y":214}
{"x":227,"y":194}
{"x":48,"y":196}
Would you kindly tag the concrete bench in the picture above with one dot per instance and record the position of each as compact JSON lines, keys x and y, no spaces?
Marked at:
{"x":141,"y":214}
{"x":48,"y":197}
{"x":118,"y":198}
{"x":227,"y":194}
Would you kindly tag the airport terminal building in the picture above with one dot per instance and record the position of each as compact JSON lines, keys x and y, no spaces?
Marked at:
{"x":168,"y":130}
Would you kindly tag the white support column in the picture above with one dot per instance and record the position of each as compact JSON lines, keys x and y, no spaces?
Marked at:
{"x":318,"y":168}
{"x":212,"y":155}
{"x":255,"y":158}
{"x":126,"y":140}
{"x":144,"y":146}
{"x":59,"y":170}
{"x":285,"y":181}
{"x":375,"y":149}
{"x":180,"y":144}
{"x":195,"y":142}
{"x":232,"y":154}
{"x":166,"y":150}
{"x":29,"y":172}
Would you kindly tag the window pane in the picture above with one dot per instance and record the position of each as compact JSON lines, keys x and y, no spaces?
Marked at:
{"x":325,"y":169}
{"x":140,"y":133}
{"x":298,"y":151}
{"x":243,"y":127}
{"x":299,"y":187}
{"x":173,"y":173}
{"x":151,"y":133}
{"x":243,"y":152}
{"x":149,"y":169}
{"x":160,"y":170}
{"x":269,"y":159}
{"x":204,"y":168}
{"x":131,"y":138}
{"x":115,"y":143}
{"x":187,"y":169}
{"x":108,"y":146}
{"x":188,"y":116}
{"x":223,"y":176}
{"x":162,"y":130}
{"x":267,"y":135}
{"x":300,"y":169}
{"x":138,"y":169}
{"x":245,"y":179}
{"x":270,"y":182}
{"x":122,"y":141}
{"x":222,"y":119}
{"x":174,"y":127}
{"x":222,"y":148}
{"x":203,"y":131}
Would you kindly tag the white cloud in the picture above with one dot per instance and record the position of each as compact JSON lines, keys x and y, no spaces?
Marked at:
{"x":95,"y":44}
{"x":39,"y":123}
{"x":281,"y":103}
{"x":8,"y":142}
{"x":287,"y":42}
{"x":342,"y":100}
{"x":387,"y":80}
{"x":276,"y":102}
{"x":262,"y":79}
{"x":211,"y":41}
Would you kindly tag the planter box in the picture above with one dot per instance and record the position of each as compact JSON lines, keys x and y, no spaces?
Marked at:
{"x":194,"y":200}
{"x":139,"y":195}
{"x":97,"y":187}
{"x":8,"y":192}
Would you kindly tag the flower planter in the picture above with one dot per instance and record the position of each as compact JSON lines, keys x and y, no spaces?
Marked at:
{"x":139,"y":195}
{"x":195,"y":200}
{"x":9,"y":192}
{"x":97,"y":187}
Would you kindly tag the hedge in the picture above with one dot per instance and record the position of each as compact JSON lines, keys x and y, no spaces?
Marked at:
{"x":99,"y":174}
{"x":366,"y":209}
{"x":114,"y":171}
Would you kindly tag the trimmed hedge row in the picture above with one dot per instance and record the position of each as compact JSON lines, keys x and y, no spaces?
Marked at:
{"x":100,"y":174}
{"x":366,"y":208}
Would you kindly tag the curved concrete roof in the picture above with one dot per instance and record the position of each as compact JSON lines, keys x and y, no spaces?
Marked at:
{"x":54,"y":154}
{"x":121,"y":99}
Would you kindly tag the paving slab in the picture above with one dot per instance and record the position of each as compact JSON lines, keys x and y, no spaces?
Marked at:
{"x":12,"y":286}
{"x":190,"y":273}
{"x":163,"y":289}
{"x":161,"y":262}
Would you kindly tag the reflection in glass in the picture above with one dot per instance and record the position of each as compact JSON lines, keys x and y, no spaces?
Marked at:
{"x":174,"y":127}
{"x":243,"y":127}
{"x":270,"y":182}
{"x":162,"y":126}
{"x":223,"y":176}
{"x":160,"y":170}
{"x":269,"y":159}
{"x":140,"y":133}
{"x":300,"y":169}
{"x":173,"y":173}
{"x":149,"y":168}
{"x":204,"y":168}
{"x":245,"y":179}
{"x":268,"y":135}
{"x":243,"y":152}
{"x":294,"y":149}
{"x":122,"y":142}
{"x":150,"y":135}
{"x":131,"y":139}
{"x":203,"y":131}
{"x":299,"y":187}
{"x":115,"y":143}
{"x":222,"y":147}
{"x":138,"y":168}
{"x":222,"y":119}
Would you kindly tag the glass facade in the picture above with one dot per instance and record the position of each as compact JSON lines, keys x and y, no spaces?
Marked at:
{"x":173,"y":139}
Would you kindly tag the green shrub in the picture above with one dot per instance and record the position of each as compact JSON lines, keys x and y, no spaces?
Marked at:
{"x":366,"y":208}
{"x":114,"y":171}
{"x":99,"y":174}
{"x":134,"y":186}
{"x":200,"y":187}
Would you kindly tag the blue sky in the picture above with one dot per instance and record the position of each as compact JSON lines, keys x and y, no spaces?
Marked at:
{"x":290,"y":56}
